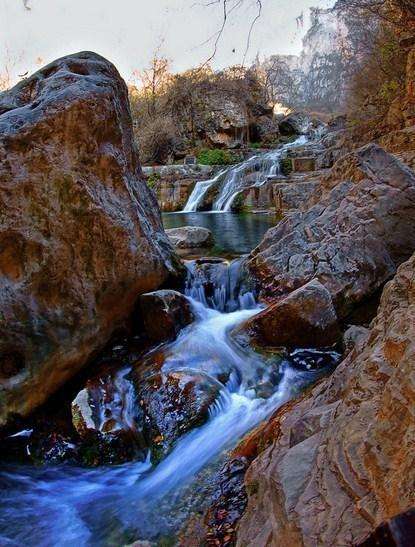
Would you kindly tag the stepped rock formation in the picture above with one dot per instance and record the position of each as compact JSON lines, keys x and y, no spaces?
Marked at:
{"x":80,"y":233}
{"x":340,"y":460}
{"x":351,"y":240}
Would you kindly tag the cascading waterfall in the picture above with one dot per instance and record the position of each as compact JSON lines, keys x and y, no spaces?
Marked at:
{"x":253,"y":172}
{"x":66,"y":505}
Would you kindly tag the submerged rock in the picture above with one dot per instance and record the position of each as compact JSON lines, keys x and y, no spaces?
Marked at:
{"x":351,"y":240}
{"x":305,"y":318}
{"x":190,"y":237}
{"x":164,"y":314}
{"x":80,"y":233}
{"x":339,"y":461}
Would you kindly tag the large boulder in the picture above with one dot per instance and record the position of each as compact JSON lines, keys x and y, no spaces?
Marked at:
{"x":305,"y":318}
{"x":80,"y":232}
{"x":164,"y":314}
{"x":351,"y":240}
{"x":190,"y":237}
{"x":340,"y":461}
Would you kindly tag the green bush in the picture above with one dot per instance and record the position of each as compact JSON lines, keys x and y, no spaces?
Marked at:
{"x":215,"y":156}
{"x":153,"y":179}
{"x":255,"y":145}
{"x":286,"y":166}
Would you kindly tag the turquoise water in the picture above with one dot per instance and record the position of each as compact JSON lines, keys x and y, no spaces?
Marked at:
{"x":234,"y":234}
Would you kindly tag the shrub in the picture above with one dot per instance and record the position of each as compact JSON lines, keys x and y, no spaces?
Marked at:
{"x":286,"y":166}
{"x":152,"y":180}
{"x":215,"y":157}
{"x":256,"y":145}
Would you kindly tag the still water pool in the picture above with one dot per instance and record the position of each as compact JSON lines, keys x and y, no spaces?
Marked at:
{"x":234,"y":234}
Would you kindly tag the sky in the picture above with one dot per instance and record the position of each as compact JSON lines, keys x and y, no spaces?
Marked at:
{"x":128,"y":32}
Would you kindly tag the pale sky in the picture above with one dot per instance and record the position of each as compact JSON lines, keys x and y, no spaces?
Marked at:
{"x":128,"y":32}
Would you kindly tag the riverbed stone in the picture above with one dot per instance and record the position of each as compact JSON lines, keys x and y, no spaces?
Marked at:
{"x":164,"y":313}
{"x":80,"y":233}
{"x":306,"y":318}
{"x":190,"y":237}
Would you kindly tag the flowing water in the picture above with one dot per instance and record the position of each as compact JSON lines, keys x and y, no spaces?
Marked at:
{"x":252,"y":172}
{"x":63,"y":505}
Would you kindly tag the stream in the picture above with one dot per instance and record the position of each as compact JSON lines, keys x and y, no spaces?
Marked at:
{"x":63,"y":505}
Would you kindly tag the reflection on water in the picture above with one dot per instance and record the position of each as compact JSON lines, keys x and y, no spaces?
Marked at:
{"x":234,"y":234}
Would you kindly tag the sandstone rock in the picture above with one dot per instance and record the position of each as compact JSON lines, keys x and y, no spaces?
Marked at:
{"x":351,"y":240}
{"x":80,"y":233}
{"x":303,"y":164}
{"x":340,"y":459}
{"x":164,"y":314}
{"x":354,"y":338}
{"x":305,"y":318}
{"x":190,"y":237}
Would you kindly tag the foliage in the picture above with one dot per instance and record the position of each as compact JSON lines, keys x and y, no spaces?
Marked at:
{"x":179,"y":111}
{"x":255,"y":145}
{"x":286,"y":166}
{"x":237,"y":205}
{"x":153,"y":179}
{"x":215,"y":156}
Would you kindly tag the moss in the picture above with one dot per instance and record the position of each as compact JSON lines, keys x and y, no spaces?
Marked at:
{"x":216,"y":157}
{"x":153,"y":179}
{"x":167,"y":541}
{"x":286,"y":166}
{"x":238,"y":204}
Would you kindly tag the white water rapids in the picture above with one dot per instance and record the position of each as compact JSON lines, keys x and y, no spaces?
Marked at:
{"x":252,"y":172}
{"x":66,"y":505}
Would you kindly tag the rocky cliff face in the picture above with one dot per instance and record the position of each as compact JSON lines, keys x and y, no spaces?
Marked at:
{"x":80,"y":233}
{"x":340,"y":459}
{"x":351,"y":240}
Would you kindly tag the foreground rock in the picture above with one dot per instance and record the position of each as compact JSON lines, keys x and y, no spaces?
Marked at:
{"x":351,"y":240}
{"x":351,"y":439}
{"x":190,"y":237}
{"x":164,"y":314}
{"x":80,"y":233}
{"x":306,"y":318}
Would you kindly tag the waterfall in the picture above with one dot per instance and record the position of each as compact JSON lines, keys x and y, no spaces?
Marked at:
{"x":252,"y":172}
{"x":219,"y":285}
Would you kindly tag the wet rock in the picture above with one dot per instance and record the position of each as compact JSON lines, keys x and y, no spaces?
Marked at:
{"x":351,"y":439}
{"x":352,"y":239}
{"x":190,"y":237}
{"x":80,"y":232}
{"x":107,"y":418}
{"x":164,"y":314}
{"x":305,"y":318}
{"x":228,"y":504}
{"x":173,"y":403}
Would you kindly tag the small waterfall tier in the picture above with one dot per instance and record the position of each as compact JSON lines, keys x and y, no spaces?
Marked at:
{"x":227,"y":184}
{"x":219,"y":284}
